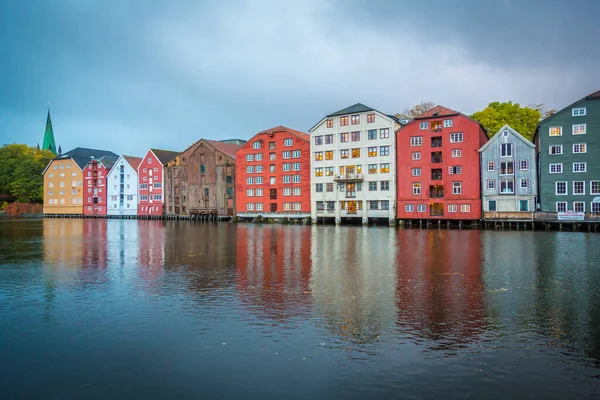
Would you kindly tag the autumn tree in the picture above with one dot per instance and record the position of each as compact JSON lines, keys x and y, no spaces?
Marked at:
{"x":523,"y":119}
{"x":21,"y":170}
{"x":416,"y":110}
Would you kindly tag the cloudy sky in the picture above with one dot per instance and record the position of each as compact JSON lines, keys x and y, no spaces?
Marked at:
{"x":130,"y":74}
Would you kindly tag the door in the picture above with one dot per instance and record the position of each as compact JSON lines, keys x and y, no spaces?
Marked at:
{"x":524,"y":205}
{"x":273,"y":207}
{"x":352,"y":207}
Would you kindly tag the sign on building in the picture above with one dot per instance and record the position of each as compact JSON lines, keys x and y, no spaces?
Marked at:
{"x":571,"y":216}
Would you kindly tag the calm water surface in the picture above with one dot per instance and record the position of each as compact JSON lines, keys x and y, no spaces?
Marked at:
{"x":122,"y":309}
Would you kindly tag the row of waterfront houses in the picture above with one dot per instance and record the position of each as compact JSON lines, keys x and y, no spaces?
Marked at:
{"x":356,"y":163}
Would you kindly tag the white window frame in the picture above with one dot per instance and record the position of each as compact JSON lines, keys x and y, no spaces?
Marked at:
{"x":582,"y":185}
{"x":249,"y":169}
{"x":580,"y":164}
{"x":249,"y":157}
{"x":423,"y":126}
{"x":456,"y":153}
{"x":558,"y":168}
{"x":297,"y":178}
{"x":507,"y":146}
{"x":256,"y":145}
{"x":409,"y":208}
{"x":580,"y":131}
{"x":250,"y":192}
{"x":592,"y":204}
{"x":592,"y":187}
{"x":557,"y":127}
{"x":417,"y":188}
{"x":566,"y":193}
{"x":579,"y":202}
{"x":577,"y":111}
{"x":565,"y":204}
{"x":456,"y":187}
{"x":416,"y":172}
{"x":492,"y":165}
{"x":288,"y":142}
{"x":416,"y":141}
{"x":558,"y":146}
{"x":416,"y":155}
{"x":447,"y":123}
{"x":297,"y":191}
{"x":465,"y":208}
{"x":523,"y":180}
{"x":507,"y":181}
{"x":452,"y":208}
{"x":258,"y":192}
{"x":421,"y":207}
{"x":456,"y":137}
{"x":521,"y":165}
{"x":580,"y":144}
{"x":493,"y":184}
{"x":287,"y":191}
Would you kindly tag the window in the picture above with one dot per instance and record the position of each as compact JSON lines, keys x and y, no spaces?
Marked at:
{"x":329,"y":187}
{"x":249,"y":169}
{"x":416,"y":188}
{"x":157,"y":185}
{"x":424,"y":126}
{"x":288,"y":142}
{"x":250,"y":192}
{"x":296,"y":166}
{"x":456,"y":137}
{"x":297,"y":178}
{"x":318,"y":171}
{"x":561,"y":206}
{"x":249,"y":181}
{"x":409,"y":208}
{"x":355,"y":119}
{"x":370,"y":118}
{"x":329,"y":155}
{"x":343,"y":121}
{"x":320,"y":205}
{"x":319,"y":188}
{"x":465,"y":208}
{"x":355,"y":153}
{"x":372,"y":186}
{"x":384,"y":168}
{"x":524,"y":183}
{"x":372,"y":151}
{"x":578,"y":206}
{"x":506,"y":150}
{"x":507,"y":186}
{"x":416,"y":156}
{"x":556,"y":149}
{"x":447,"y":123}
{"x":286,"y":155}
{"x":344,"y":153}
{"x":287,"y":206}
{"x":318,"y":140}
{"x":596,"y":207}
{"x":556,"y":168}
{"x":157,"y":197}
{"x":258,"y":157}
{"x":456,"y":187}
{"x":579,"y":129}
{"x":319,"y":156}
{"x":422,"y":207}
{"x":384,"y":150}
{"x":249,"y":157}
{"x":249,"y":206}
{"x":259,"y":168}
{"x":372,"y":134}
{"x":579,"y":167}
{"x":594,"y":187}
{"x":258,"y":192}
{"x":456,"y":153}
{"x":143,"y":186}
{"x":297,"y":191}
{"x":372,"y":168}
{"x":344,"y":137}
{"x":560,"y":188}
{"x":578,"y":187}
{"x":491,"y":166}
{"x":455,"y":170}
{"x":452,"y":208}
{"x":256,"y":145}
{"x":523,"y":165}
{"x":259,"y":206}
{"x":355,"y":136}
{"x":271,"y":145}
{"x":384,"y":185}
{"x":492,"y":205}
{"x":384,"y":133}
{"x":296,"y":154}
{"x":259,"y":180}
{"x":297,"y":206}
{"x":330,"y":123}
{"x":287,"y":191}
{"x":491,"y":184}
{"x":416,"y":172}
{"x":328,"y":139}
{"x":272,"y":156}
{"x":578,"y":112}
{"x":506,"y":168}
{"x":328,"y":171}
{"x":416,"y":141}
{"x":579,"y":148}
{"x":555,"y":131}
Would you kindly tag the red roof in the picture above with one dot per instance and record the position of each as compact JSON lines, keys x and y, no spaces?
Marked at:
{"x":133,"y":161}
{"x":441,"y":111}
{"x":300,"y":135}
{"x":228,"y":149}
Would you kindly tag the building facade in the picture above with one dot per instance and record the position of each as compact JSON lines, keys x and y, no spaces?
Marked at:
{"x":273,"y":174}
{"x":438,"y":166}
{"x":508,"y":176}
{"x":95,"y":176}
{"x":568,"y":143}
{"x":151,"y":178}
{"x":201,"y":180}
{"x":122,"y":187}
{"x":63,"y":181}
{"x":353,"y":165}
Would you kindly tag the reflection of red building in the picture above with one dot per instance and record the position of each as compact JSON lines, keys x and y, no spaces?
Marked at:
{"x":95,"y":254}
{"x":440,"y":288}
{"x":273,"y":268}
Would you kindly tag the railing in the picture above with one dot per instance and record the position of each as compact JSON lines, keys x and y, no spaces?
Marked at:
{"x":436,"y":174}
{"x":436,"y":193}
{"x":436,"y":142}
{"x":436,"y":158}
{"x":349,"y":177}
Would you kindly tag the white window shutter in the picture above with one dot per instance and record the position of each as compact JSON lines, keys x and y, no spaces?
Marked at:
{"x":450,"y":170}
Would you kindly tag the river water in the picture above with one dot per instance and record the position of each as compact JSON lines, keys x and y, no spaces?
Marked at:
{"x":123,"y":309}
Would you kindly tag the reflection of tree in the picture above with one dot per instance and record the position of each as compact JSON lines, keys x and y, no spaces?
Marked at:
{"x":440,"y":293}
{"x":273,"y":269}
{"x":352,"y":281}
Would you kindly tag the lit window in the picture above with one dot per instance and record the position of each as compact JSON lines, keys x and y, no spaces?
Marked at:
{"x":370,"y":118}
{"x":328,"y":171}
{"x":330,"y":123}
{"x":384,"y":168}
{"x":579,"y":129}
{"x":344,"y":121}
{"x":319,"y":156}
{"x":579,"y":148}
{"x":355,"y":119}
{"x":372,"y":151}
{"x":318,"y":171}
{"x":372,"y":168}
{"x":345,"y":153}
{"x":355,"y":153}
{"x":344,"y":137}
{"x":329,"y":155}
{"x":555,"y":131}
{"x":416,"y":188}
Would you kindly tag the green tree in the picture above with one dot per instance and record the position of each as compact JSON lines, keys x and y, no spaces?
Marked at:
{"x":416,"y":111}
{"x":21,"y":170}
{"x":522,"y":119}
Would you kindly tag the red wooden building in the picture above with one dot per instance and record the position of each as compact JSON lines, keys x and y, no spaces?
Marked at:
{"x":95,"y":197}
{"x":151,"y":180}
{"x":273,"y":174}
{"x":438,"y":174}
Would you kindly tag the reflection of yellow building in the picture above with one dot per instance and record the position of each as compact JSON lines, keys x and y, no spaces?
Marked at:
{"x":63,"y":241}
{"x":63,"y":188}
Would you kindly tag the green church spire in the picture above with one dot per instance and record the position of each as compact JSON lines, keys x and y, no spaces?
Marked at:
{"x":49,"y":143}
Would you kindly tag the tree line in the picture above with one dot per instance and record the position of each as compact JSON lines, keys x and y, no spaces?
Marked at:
{"x":21,"y":170}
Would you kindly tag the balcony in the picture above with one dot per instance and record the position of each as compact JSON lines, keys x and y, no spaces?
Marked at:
{"x":436,"y":157}
{"x":436,"y":210}
{"x":436,"y":174}
{"x":436,"y":126}
{"x":273,"y":194}
{"x":349,"y":177}
{"x":436,"y":191}
{"x":436,"y":141}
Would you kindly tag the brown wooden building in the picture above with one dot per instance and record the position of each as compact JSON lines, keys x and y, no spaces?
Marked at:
{"x":201,"y":180}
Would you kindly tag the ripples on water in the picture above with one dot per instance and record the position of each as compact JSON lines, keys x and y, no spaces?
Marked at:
{"x":99,"y":309}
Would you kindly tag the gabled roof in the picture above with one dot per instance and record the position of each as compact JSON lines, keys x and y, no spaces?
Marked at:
{"x":354,"y":109}
{"x":438,"y":111}
{"x":226,"y":148}
{"x":108,"y":161}
{"x":81,"y":156}
{"x":164,"y":156}
{"x":593,"y":96}
{"x":133,"y":161}
{"x":497,"y":135}
{"x":280,"y":128}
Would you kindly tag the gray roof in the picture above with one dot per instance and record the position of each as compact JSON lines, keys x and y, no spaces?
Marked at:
{"x":164,"y":156}
{"x":82,"y":156}
{"x":355,"y":109}
{"x":108,"y":161}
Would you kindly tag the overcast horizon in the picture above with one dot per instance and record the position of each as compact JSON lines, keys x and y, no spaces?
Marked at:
{"x":129,"y":75}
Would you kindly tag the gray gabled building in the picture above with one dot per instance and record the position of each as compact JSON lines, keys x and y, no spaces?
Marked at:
{"x":508,"y":176}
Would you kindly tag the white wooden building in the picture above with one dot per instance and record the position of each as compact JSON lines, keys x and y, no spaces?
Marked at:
{"x":122,"y":182}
